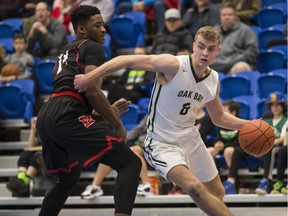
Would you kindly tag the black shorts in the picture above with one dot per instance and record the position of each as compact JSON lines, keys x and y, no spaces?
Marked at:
{"x":71,"y":136}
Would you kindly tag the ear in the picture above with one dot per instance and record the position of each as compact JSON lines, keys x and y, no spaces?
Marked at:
{"x":81,"y":29}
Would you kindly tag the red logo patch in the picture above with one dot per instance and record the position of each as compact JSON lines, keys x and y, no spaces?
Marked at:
{"x":86,"y":120}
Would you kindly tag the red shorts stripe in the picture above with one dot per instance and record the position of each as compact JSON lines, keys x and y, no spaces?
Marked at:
{"x":69,"y":93}
{"x":63,"y":169}
{"x":109,"y":147}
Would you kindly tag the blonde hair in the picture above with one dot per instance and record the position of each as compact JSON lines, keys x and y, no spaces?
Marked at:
{"x":208,"y":33}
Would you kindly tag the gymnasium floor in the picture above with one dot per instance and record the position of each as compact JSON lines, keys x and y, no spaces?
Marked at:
{"x":242,"y":211}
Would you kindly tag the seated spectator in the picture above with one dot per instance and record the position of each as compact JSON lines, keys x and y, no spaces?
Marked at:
{"x":62,"y":13}
{"x":203,"y":13}
{"x":239,"y":46}
{"x":174,"y":37}
{"x":135,"y":139}
{"x":227,"y":140}
{"x":49,"y":33}
{"x":279,"y":186}
{"x":21,"y":59}
{"x":246,"y":10}
{"x":278,"y":107}
{"x":28,"y":164}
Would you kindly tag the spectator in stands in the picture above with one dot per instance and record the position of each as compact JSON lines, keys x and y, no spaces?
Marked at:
{"x":106,"y":7}
{"x":278,"y":107}
{"x":174,"y":37}
{"x":135,"y":139}
{"x":279,"y":186}
{"x":62,"y":14}
{"x":202,"y":14}
{"x":28,"y":9}
{"x":28,"y":164}
{"x":21,"y":59}
{"x":246,"y":10}
{"x":9,"y":9}
{"x":49,"y":33}
{"x":239,"y":46}
{"x":227,"y":140}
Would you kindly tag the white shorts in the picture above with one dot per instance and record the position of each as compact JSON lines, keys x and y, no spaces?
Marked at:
{"x":163,"y":157}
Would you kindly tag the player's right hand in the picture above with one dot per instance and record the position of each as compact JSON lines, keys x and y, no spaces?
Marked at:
{"x":81,"y":82}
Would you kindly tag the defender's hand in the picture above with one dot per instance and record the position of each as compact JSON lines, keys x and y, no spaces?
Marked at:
{"x":121,"y":106}
{"x":81,"y":82}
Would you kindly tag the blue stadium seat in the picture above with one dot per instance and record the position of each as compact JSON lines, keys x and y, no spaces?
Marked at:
{"x":6,"y":31}
{"x":265,"y":3}
{"x":233,"y":85}
{"x":281,"y":48}
{"x":282,"y":72}
{"x":44,"y":75}
{"x":248,"y":106}
{"x":15,"y":23}
{"x":270,"y":16}
{"x":269,"y":82}
{"x":143,"y":105}
{"x":139,"y":18}
{"x":70,"y":38}
{"x":270,"y":60}
{"x":13,"y":104}
{"x":7,"y":44}
{"x":107,"y":46}
{"x":124,"y":32}
{"x":268,"y":34}
{"x":262,"y":108}
{"x":130,"y":119}
{"x":253,"y":77}
{"x":28,"y":88}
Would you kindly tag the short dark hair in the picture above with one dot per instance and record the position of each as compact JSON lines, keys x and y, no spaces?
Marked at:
{"x":232,"y":106}
{"x":82,"y":14}
{"x":19,"y":36}
{"x":229,"y":5}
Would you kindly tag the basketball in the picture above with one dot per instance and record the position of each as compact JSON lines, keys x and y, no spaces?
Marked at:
{"x":256,"y":137}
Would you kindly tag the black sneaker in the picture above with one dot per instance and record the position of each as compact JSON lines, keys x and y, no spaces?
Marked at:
{"x":18,"y":187}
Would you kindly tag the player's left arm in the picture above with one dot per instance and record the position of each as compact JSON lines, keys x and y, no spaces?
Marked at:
{"x":165,"y":64}
{"x":102,"y":106}
{"x":222,"y":118}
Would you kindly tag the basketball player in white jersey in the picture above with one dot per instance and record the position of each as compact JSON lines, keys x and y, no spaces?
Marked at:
{"x":173,"y":145}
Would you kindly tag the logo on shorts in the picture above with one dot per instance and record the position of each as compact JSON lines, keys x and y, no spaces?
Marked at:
{"x":86,"y":120}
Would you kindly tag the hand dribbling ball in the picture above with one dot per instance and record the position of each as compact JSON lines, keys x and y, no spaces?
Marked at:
{"x":256,"y":137}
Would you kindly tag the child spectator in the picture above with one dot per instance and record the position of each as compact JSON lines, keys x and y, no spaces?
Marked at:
{"x":28,"y":163}
{"x":278,"y":108}
{"x":227,"y":140}
{"x":20,"y":59}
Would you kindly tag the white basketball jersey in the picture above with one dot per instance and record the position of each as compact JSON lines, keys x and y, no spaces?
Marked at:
{"x":173,"y":106}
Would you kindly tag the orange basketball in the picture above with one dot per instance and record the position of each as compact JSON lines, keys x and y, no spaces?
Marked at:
{"x":256,"y":137}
